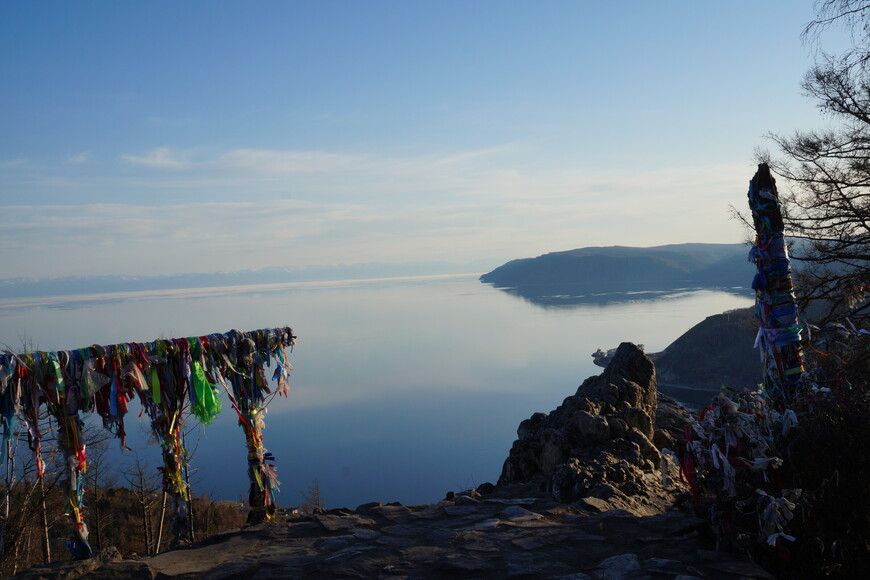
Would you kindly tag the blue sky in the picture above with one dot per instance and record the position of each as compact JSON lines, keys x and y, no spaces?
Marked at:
{"x":145,"y":138}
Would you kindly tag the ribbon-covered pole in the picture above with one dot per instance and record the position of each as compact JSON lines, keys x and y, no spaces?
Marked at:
{"x":775,"y":306}
{"x":245,"y":359}
{"x":172,"y":378}
{"x":158,"y":372}
{"x":63,"y":397}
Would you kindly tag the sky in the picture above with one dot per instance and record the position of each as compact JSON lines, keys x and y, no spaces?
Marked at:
{"x":154,"y":138}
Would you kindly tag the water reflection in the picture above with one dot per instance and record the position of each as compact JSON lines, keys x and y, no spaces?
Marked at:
{"x":556,"y":297}
{"x":403,"y":388}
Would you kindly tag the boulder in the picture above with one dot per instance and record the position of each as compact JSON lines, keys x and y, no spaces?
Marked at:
{"x":599,"y":441}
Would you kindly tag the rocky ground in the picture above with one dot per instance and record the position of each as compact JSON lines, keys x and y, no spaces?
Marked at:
{"x":488,"y":537}
{"x":585,"y":493}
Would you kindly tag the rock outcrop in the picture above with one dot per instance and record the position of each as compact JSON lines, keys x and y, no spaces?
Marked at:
{"x":599,"y":442}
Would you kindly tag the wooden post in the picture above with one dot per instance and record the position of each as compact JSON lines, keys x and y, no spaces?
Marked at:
{"x":779,"y":332}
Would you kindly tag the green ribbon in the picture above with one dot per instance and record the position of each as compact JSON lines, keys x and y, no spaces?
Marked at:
{"x":207,"y":406}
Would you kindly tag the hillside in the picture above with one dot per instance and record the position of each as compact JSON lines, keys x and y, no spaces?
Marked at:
{"x":716,"y":353}
{"x":578,"y":275}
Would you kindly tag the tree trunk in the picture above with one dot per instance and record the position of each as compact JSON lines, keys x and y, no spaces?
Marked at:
{"x":147,"y":522}
{"x":186,"y":468}
{"x":149,"y":525}
{"x":160,"y":527}
{"x":98,"y":531}
{"x":46,"y":545}
{"x":7,"y":495}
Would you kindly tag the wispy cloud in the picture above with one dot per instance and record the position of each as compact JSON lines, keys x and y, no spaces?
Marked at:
{"x":247,"y":161}
{"x":17,"y":163}
{"x":197,"y":210}
{"x":272,"y":161}
{"x":489,"y":173}
{"x":283,"y":161}
{"x":79,"y":158}
{"x":157,"y":121}
{"x":160,"y":158}
{"x":312,"y":174}
{"x":221,"y":235}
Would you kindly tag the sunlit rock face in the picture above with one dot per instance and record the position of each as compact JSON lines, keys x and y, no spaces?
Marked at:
{"x":599,"y":442}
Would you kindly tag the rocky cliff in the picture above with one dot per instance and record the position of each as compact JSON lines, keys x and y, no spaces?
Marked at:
{"x":599,"y":442}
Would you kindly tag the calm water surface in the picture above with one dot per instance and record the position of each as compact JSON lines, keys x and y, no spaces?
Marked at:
{"x":403,"y":389}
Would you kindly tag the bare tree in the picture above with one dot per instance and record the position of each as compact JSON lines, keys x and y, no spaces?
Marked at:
{"x":312,"y":501}
{"x":828,"y":202}
{"x":145,"y":486}
{"x":31,"y":510}
{"x":850,"y":14}
{"x":100,"y":477}
{"x":826,"y":206}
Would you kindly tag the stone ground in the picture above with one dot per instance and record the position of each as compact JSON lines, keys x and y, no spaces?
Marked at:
{"x":489,"y":537}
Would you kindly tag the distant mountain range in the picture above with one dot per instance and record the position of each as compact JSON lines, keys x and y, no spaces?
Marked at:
{"x":589,"y":274}
{"x":64,"y":286}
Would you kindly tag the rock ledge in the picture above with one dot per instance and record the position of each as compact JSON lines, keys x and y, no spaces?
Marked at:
{"x":485,"y":537}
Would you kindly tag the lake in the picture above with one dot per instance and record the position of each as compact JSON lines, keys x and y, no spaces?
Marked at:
{"x":404,"y":388}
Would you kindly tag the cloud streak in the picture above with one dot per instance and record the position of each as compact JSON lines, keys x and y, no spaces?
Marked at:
{"x":269,"y":161}
{"x":279,"y":161}
{"x":160,"y":158}
{"x":222,"y":235}
{"x":255,"y":161}
{"x":79,"y":158}
{"x":494,"y":173}
{"x":252,"y":208}
{"x":17,"y":163}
